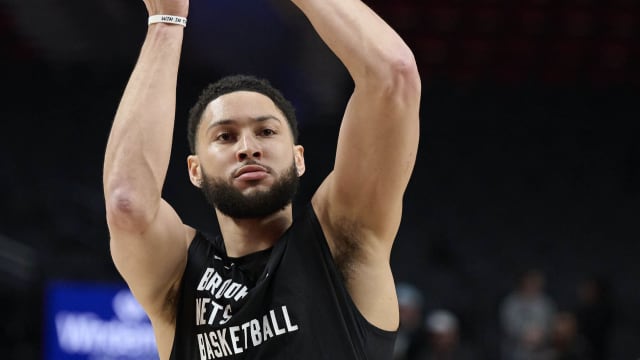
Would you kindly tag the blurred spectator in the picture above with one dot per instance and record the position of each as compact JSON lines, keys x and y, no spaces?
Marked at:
{"x":594,"y":314}
{"x":443,"y":338}
{"x":526,"y":315}
{"x":566,"y":341}
{"x":411,"y":332}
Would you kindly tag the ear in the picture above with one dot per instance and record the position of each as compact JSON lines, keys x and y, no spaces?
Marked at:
{"x":195,"y":172}
{"x":298,"y":156}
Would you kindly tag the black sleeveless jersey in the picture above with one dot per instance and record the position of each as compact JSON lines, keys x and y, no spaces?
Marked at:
{"x":287,"y":302}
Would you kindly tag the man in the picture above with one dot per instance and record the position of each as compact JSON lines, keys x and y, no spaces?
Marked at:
{"x":270,"y":287}
{"x":410,"y":335}
{"x":527,"y":314}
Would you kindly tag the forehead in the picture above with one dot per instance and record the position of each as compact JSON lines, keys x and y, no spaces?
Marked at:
{"x":240,"y":105}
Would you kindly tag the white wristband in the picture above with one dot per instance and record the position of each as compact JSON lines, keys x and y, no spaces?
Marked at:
{"x":170,"y":19}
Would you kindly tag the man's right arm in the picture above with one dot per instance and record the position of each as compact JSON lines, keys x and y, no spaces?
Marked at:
{"x":148,"y":240}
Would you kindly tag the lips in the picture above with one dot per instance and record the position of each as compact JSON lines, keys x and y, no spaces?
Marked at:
{"x":251,"y":172}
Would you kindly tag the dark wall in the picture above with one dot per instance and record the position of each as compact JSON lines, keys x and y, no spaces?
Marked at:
{"x":534,"y":170}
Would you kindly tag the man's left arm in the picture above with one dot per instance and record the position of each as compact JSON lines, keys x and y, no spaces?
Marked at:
{"x":359,"y":204}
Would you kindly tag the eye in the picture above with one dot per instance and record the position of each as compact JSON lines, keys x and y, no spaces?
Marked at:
{"x":267,"y":132}
{"x":224,"y":137}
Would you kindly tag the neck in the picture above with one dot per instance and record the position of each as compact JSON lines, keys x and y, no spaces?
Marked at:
{"x":246,"y":236}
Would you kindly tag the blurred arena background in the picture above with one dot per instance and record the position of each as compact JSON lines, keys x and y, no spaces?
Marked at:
{"x":529,"y":155}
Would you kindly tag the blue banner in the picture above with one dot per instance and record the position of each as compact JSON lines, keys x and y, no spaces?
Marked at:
{"x":96,"y":322}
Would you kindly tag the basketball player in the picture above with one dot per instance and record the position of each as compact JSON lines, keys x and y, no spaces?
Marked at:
{"x":269,"y":286}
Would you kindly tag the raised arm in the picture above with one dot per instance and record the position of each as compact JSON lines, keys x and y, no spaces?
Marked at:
{"x":360,"y":203}
{"x":148,"y":240}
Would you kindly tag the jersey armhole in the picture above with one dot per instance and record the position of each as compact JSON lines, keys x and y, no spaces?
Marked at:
{"x":368,"y":326}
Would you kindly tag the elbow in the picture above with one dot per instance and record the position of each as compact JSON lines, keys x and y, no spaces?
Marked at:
{"x":403,"y":76}
{"x":395,"y":76}
{"x":126,"y":211}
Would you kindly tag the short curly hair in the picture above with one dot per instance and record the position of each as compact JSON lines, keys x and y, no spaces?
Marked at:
{"x":231,"y":84}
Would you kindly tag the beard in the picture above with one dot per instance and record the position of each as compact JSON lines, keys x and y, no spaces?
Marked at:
{"x":233,"y":203}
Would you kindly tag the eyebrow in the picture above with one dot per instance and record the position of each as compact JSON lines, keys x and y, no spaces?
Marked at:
{"x":258,"y":119}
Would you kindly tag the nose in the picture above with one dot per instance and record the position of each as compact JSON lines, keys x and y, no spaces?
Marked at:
{"x":249,"y":148}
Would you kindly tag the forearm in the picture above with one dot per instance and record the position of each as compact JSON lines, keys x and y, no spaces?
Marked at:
{"x":139,"y":145}
{"x":369,"y":48}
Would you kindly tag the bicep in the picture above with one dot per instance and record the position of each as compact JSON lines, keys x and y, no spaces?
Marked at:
{"x":376,"y":152}
{"x":152,"y":260}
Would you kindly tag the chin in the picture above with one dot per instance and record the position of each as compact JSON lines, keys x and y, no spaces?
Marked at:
{"x":253,"y":187}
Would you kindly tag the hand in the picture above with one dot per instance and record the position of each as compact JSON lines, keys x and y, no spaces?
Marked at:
{"x":167,"y":7}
